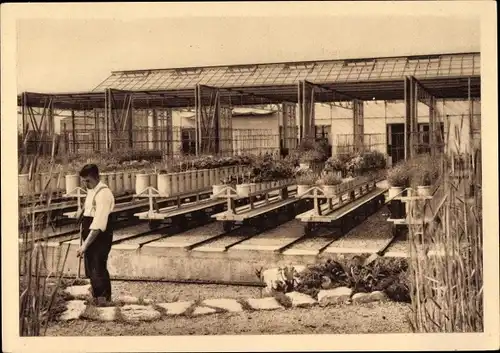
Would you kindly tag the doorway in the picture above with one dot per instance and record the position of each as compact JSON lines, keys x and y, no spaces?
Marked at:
{"x":396,"y":142}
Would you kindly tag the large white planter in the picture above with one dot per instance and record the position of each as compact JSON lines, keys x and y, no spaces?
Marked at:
{"x":181,"y":182}
{"x":61,"y":181}
{"x":394,"y":191}
{"x":423,"y":190}
{"x":218,"y":188}
{"x":206,"y":178}
{"x":104,"y":178}
{"x":243,"y":190}
{"x":153,"y":180}
{"x":142,"y":181}
{"x":25,"y":186}
{"x":127,"y":181}
{"x":301,"y":189}
{"x":72,"y":182}
{"x":112,"y":182}
{"x":37,"y":182}
{"x":330,"y":190}
{"x":212,"y":176}
{"x":165,"y":184}
{"x":46,"y":182}
{"x":120,"y":188}
{"x":175,"y":183}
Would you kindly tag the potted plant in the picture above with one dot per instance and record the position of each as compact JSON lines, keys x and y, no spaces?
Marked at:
{"x":425,"y":172}
{"x":243,"y":188}
{"x":398,"y":178}
{"x":329,"y":184}
{"x":304,"y":182}
{"x":224,"y":182}
{"x":72,"y":178}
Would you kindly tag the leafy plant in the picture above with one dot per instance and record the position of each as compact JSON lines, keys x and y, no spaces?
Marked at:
{"x":399,"y":175}
{"x":307,"y":178}
{"x":330,"y":179}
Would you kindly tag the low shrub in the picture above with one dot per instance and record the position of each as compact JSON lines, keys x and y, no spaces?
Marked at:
{"x":389,"y":275}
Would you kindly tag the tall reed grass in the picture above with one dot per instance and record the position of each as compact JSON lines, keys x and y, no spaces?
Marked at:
{"x":38,"y":287}
{"x":446,"y":266}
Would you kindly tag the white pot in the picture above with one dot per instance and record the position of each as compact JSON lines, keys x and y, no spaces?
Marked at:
{"x":301,"y":189}
{"x":165,"y":184}
{"x":304,"y":165}
{"x":423,"y":190}
{"x":243,"y":190}
{"x":253,"y":187}
{"x":25,"y":186}
{"x":142,"y":181}
{"x":72,"y":182}
{"x":395,"y":190}
{"x":218,"y":188}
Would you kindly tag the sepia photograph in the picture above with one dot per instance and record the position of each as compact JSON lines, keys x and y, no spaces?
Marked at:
{"x":192,"y":172}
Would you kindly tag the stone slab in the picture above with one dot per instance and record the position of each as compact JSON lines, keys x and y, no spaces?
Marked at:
{"x":106,"y":313}
{"x":334,"y":296}
{"x":176,"y":308}
{"x":301,"y":300}
{"x":74,"y":309}
{"x":203,"y":310}
{"x":230,"y":305}
{"x":269,"y":303}
{"x":134,"y":312}
{"x":78,"y":292}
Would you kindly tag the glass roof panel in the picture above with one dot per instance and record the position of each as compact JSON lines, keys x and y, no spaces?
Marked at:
{"x":291,"y":73}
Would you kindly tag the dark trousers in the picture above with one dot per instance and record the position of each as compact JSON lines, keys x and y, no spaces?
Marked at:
{"x":96,"y":258}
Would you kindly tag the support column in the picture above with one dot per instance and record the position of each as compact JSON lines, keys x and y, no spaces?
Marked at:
{"x":433,"y":127}
{"x":73,"y":132}
{"x":358,"y":125}
{"x":226,"y":130}
{"x":107,"y":117}
{"x":50,"y":121}
{"x":306,"y":110}
{"x":289,"y":123}
{"x":411,"y":125}
{"x":208,"y":120}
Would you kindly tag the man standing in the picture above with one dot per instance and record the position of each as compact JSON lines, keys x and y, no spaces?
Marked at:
{"x":97,"y":233}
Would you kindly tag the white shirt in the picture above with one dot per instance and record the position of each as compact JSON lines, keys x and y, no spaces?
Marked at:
{"x":104,"y":204}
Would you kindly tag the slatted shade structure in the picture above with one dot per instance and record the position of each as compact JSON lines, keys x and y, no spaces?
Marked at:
{"x":444,"y":76}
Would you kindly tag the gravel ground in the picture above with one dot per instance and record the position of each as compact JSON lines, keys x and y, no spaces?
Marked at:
{"x":372,"y":233}
{"x":168,"y":292}
{"x":348,"y":319}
